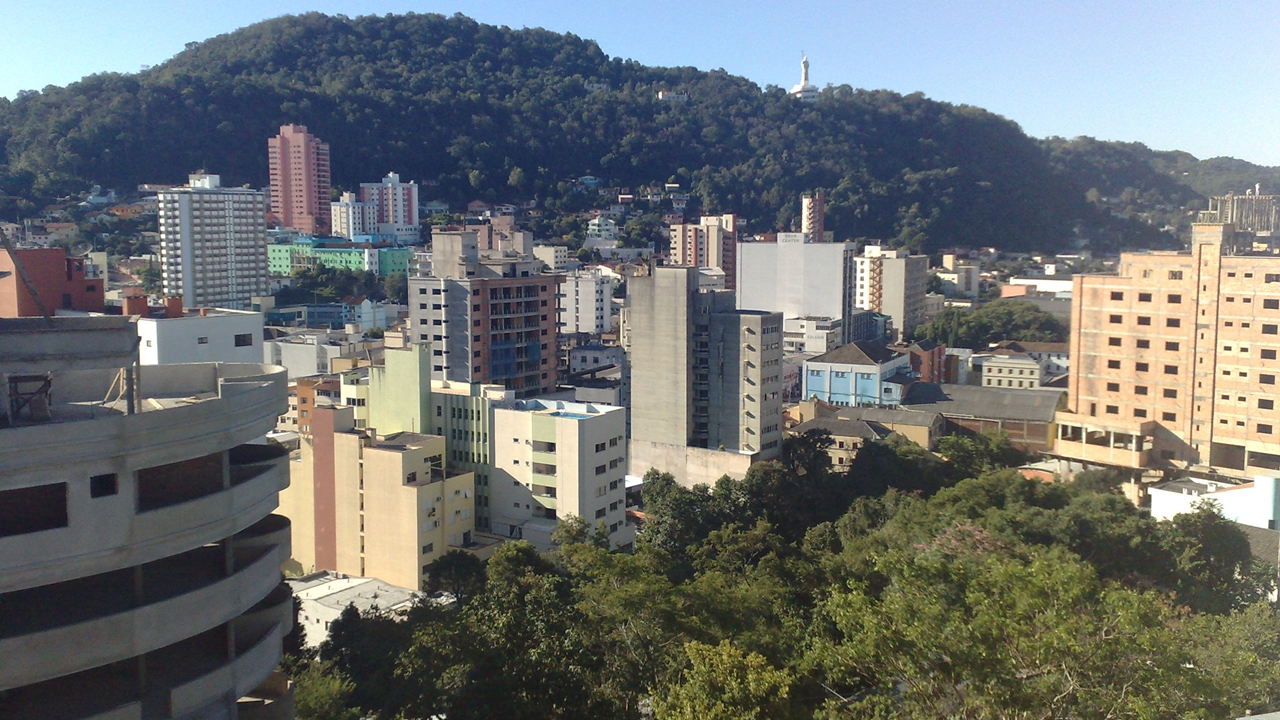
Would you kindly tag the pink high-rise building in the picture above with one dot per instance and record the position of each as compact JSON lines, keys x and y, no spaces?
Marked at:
{"x":299,"y":164}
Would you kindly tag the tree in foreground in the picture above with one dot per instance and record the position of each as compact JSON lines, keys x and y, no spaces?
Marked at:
{"x":724,"y":683}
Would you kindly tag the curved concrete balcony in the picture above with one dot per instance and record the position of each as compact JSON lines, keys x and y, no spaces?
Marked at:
{"x":272,"y":700}
{"x":195,"y":506}
{"x":83,"y":624}
{"x":253,"y":663}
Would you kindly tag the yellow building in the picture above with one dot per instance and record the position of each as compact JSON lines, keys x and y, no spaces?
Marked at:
{"x":1174,"y":360}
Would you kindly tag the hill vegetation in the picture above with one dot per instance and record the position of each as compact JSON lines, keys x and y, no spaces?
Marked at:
{"x":477,"y":111}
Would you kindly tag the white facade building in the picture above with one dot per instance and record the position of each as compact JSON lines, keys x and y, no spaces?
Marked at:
{"x":213,"y":243}
{"x":812,"y":334}
{"x":602,"y":232}
{"x":1256,"y":504}
{"x":351,"y":217}
{"x":552,"y":459}
{"x":396,"y":206}
{"x":595,"y":355}
{"x":893,"y":283}
{"x":323,"y":596}
{"x":797,"y":278}
{"x":216,"y":336}
{"x":586,"y":303}
{"x":555,"y":256}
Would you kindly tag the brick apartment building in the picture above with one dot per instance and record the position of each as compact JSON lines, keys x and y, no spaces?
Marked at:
{"x":63,"y":283}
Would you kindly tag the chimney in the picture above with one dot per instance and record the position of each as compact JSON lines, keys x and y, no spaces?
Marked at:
{"x":173,"y":306}
{"x":136,"y":305}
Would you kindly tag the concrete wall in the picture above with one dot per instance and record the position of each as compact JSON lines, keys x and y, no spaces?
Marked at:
{"x":658,"y":329}
{"x":796,"y":279}
{"x":688,"y":465}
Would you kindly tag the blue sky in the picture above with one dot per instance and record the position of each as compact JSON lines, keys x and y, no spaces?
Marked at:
{"x":1196,"y":76}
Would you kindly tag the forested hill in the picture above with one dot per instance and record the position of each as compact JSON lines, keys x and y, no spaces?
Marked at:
{"x":506,"y":114}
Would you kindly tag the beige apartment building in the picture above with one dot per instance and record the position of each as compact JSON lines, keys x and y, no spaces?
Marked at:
{"x":1174,"y":360}
{"x":552,"y":459}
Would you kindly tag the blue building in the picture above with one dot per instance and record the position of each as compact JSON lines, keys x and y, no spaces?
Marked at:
{"x":858,"y":374}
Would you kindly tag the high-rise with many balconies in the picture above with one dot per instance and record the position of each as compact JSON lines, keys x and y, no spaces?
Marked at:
{"x":139,"y":556}
{"x":213,"y":243}
{"x":299,"y":166}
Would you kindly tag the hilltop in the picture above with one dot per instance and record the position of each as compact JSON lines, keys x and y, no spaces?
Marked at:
{"x":504,"y":114}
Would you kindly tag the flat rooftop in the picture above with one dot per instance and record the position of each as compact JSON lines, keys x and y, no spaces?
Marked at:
{"x":337,"y":591}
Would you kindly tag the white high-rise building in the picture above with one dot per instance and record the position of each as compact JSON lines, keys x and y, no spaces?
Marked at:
{"x":892,"y":282}
{"x":351,"y":217}
{"x":213,"y":243}
{"x":798,"y":279}
{"x":396,"y":204}
{"x":586,"y":302}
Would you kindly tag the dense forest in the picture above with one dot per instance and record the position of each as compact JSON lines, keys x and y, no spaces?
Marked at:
{"x":907,"y":586}
{"x":474,"y":110}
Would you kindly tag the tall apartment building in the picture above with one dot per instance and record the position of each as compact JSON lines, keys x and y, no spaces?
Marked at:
{"x":139,"y":556}
{"x":213,"y":243}
{"x":351,"y":216}
{"x":61,"y":282}
{"x":552,"y":459}
{"x":396,"y":206}
{"x":586,"y":302}
{"x":490,"y":318}
{"x":892,"y":282}
{"x":712,"y":243}
{"x":799,"y":279}
{"x":379,"y":500}
{"x":813,"y":212}
{"x":1174,"y":360}
{"x":299,"y":166}
{"x":702,"y":374}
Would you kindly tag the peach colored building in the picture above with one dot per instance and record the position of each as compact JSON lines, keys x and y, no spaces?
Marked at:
{"x":1174,"y":360}
{"x":299,"y":166}
{"x":63,"y":283}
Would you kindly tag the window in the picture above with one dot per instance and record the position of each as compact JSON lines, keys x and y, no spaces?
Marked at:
{"x":1267,"y":379}
{"x":244,"y":340}
{"x":1113,"y":387}
{"x":1144,"y":344}
{"x":1169,"y":417}
{"x":1113,"y":410}
{"x":202,"y":341}
{"x":1271,"y":304}
{"x":1268,"y":354}
{"x":1144,"y":321}
{"x":1116,"y":319}
{"x":428,"y":548}
{"x":1170,"y":393}
{"x":1264,"y":404}
{"x":1173,"y":346}
{"x":1170,"y":369}
{"x":1139,"y":389}
{"x":600,"y":513}
{"x":1141,"y":367}
{"x":1172,"y":322}
{"x":1117,"y":295}
{"x":600,"y":469}
{"x":1268,"y":329}
{"x":103,"y":485}
{"x":1230,"y":299}
{"x":1139,"y":413}
{"x":1113,"y":342}
{"x":1264,"y":429}
{"x":601,"y":446}
{"x":1113,"y":364}
{"x":1175,"y":299}
{"x":1144,"y":297}
{"x":1175,"y":274}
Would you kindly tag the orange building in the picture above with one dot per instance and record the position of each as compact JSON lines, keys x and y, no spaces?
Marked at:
{"x":1174,"y":360}
{"x":299,"y":166}
{"x":60,"y":282}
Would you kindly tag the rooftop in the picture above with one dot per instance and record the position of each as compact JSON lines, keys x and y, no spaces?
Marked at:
{"x":891,"y":416}
{"x":842,"y":427}
{"x":984,"y":402}
{"x":860,"y":352}
{"x":337,"y":591}
{"x":1030,"y":347}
